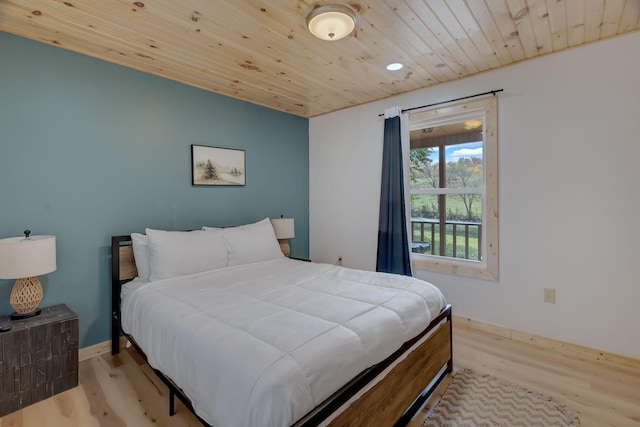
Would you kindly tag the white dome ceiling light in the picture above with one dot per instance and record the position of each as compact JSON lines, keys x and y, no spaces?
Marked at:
{"x":331,"y":22}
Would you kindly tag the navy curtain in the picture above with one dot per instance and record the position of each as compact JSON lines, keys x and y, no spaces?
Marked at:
{"x":393,"y":244}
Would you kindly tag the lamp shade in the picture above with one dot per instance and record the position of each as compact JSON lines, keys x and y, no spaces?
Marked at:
{"x":22,"y":257}
{"x":284,"y":228}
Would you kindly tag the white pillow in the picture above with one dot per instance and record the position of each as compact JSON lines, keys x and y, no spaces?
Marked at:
{"x":252,"y":243}
{"x":141,"y":254}
{"x":176,"y":253}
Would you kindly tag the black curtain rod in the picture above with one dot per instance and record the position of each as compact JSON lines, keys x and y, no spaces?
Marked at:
{"x":491,"y":92}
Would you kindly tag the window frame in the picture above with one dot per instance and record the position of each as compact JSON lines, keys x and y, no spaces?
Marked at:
{"x":488,"y":267}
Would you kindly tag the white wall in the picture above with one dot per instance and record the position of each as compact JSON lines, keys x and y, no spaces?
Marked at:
{"x":569,"y":180}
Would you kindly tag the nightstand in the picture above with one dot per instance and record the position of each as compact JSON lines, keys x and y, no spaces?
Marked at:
{"x":38,"y":358}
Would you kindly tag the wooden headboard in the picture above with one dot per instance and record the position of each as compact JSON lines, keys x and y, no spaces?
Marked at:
{"x":123,"y":269}
{"x":127,"y":262}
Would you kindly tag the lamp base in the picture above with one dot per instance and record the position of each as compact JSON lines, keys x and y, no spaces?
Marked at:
{"x":19,"y":316}
{"x":26,"y":295}
{"x":284,"y":246}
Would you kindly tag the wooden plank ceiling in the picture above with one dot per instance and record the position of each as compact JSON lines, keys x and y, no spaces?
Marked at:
{"x":261,"y":51}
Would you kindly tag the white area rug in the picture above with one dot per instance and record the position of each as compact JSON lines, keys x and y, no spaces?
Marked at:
{"x":477,"y":400}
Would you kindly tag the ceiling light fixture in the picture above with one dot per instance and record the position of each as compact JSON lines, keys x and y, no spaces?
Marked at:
{"x":472,"y":124}
{"x":331,"y":22}
{"x":394,"y":66}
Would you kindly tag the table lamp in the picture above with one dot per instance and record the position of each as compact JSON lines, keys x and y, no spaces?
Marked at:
{"x":284,"y":229}
{"x":24,"y":259}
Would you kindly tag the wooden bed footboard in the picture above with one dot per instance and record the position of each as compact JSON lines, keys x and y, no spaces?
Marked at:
{"x":393,"y":391}
{"x":407,"y":385}
{"x":387,"y":394}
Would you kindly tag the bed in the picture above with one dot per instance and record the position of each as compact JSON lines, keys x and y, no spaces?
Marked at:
{"x":254,"y":339}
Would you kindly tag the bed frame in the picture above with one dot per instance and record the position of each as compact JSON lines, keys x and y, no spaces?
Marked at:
{"x":389,"y":393}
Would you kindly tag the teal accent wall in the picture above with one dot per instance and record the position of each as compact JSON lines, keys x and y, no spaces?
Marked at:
{"x":89,"y":149}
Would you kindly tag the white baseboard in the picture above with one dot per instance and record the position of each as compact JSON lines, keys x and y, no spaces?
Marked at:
{"x":98,"y":349}
{"x":570,"y":350}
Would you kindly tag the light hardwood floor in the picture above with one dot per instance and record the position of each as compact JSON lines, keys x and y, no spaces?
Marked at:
{"x":601,"y":393}
{"x":123,"y":391}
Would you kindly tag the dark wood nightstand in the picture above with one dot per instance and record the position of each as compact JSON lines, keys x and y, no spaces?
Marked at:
{"x":38,"y":358}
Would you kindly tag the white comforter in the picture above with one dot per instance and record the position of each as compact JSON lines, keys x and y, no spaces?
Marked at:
{"x":262,"y":344}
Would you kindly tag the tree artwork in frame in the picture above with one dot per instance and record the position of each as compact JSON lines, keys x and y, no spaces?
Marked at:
{"x":214,"y":166}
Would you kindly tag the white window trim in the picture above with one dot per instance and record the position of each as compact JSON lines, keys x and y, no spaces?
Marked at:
{"x":488,"y":268}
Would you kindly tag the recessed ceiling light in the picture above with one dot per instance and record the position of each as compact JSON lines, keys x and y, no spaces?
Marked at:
{"x":394,"y":66}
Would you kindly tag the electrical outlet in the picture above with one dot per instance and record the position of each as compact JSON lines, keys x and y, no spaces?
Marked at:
{"x":550,"y":295}
{"x":339,"y":262}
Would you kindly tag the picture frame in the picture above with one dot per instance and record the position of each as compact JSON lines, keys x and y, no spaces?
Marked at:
{"x":215,"y":166}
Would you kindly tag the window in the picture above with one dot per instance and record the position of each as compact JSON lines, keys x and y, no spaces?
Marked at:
{"x":454,"y":189}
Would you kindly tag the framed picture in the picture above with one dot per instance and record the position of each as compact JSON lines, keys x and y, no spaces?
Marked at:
{"x":217,"y":166}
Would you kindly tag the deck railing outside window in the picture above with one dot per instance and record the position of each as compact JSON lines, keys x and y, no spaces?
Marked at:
{"x":427,"y":239}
